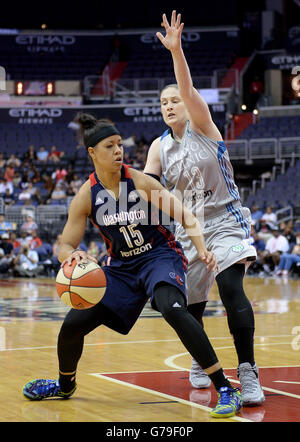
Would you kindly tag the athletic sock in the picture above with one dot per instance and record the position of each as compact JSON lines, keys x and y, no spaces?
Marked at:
{"x":67,"y":382}
{"x":219,"y":380}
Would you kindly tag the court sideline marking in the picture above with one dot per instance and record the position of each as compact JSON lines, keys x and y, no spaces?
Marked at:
{"x":2,"y":347}
{"x":163,"y":395}
{"x":170,"y":363}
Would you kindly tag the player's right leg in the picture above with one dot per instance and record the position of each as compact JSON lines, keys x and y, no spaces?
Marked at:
{"x":199,"y":283}
{"x":114,"y":311}
{"x":198,"y":378}
{"x":76,"y":325}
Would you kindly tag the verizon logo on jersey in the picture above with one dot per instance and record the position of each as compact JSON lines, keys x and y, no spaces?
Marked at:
{"x":123,"y":216}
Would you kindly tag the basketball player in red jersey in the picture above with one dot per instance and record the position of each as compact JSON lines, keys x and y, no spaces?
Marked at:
{"x":144,"y":262}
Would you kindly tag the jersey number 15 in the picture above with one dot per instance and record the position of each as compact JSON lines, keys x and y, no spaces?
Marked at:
{"x":130,"y":233}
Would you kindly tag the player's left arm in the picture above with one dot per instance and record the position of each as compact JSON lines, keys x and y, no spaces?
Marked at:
{"x":199,"y":113}
{"x":172,"y":206}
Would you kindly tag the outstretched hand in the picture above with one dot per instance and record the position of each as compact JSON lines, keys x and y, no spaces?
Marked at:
{"x":172,"y":39}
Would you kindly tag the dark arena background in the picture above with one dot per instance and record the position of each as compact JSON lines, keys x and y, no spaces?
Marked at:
{"x":104,"y":58}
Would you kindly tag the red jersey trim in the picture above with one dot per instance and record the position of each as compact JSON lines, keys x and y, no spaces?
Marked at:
{"x":93,"y":180}
{"x":127,"y":171}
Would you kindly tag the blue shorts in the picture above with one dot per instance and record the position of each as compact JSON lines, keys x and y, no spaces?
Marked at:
{"x":130,"y":284}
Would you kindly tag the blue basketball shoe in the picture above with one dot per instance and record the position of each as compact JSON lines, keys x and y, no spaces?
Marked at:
{"x":43,"y":388}
{"x":229,"y":402}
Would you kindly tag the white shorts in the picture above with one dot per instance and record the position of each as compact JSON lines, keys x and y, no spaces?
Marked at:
{"x":227,"y":236}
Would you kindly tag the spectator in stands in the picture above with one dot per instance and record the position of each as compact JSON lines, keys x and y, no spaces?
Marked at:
{"x":48,"y":185}
{"x":289,"y":234}
{"x":69,"y":191}
{"x":55,"y":155}
{"x":5,"y":226}
{"x":4,"y":184}
{"x":35,"y":241}
{"x":256,"y":214}
{"x":59,"y":174}
{"x":27,"y":209}
{"x":9,"y":173}
{"x":59,"y":193}
{"x":34,"y":174}
{"x":2,"y":160}
{"x":30,"y":193}
{"x":258,"y":243}
{"x":24,"y":238}
{"x":287,"y":260}
{"x":270,"y":217}
{"x":70,"y":173}
{"x":14,"y":241}
{"x":55,"y":247}
{"x":6,"y":245}
{"x":30,"y":225}
{"x":8,"y":198}
{"x":13,"y":161}
{"x":260,"y":246}
{"x":30,"y":154}
{"x":275,"y":246}
{"x":4,"y":262}
{"x":24,"y":195}
{"x":42,"y":154}
{"x":17,"y":178}
{"x":6,"y":254}
{"x":264,"y":230}
{"x":25,"y":179}
{"x":75,"y":183}
{"x":26,"y":262}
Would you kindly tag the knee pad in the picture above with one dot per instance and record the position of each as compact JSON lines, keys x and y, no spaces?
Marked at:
{"x":169,"y":301}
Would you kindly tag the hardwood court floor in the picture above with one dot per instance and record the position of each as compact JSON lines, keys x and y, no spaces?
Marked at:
{"x":143,"y":377}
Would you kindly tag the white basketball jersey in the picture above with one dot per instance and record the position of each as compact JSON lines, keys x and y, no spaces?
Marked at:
{"x":199,"y":172}
{"x":200,"y":169}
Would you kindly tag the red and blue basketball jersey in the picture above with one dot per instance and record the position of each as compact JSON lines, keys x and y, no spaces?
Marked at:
{"x":130,"y":225}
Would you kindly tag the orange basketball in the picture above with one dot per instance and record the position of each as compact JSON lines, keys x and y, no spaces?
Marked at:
{"x":82,"y":285}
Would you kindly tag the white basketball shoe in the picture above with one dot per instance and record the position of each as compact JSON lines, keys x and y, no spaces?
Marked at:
{"x":252,"y":393}
{"x":198,"y":377}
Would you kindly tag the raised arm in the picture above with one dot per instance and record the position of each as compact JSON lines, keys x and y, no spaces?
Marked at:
{"x":198,"y":109}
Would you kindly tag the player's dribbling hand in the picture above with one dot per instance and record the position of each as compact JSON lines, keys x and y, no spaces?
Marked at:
{"x":172,"y":39}
{"x":80,"y":256}
{"x":210,"y":261}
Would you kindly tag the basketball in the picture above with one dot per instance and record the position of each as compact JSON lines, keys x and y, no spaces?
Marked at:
{"x":82,"y":285}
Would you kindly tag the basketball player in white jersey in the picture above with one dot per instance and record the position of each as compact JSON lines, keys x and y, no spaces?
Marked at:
{"x":191,"y":159}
